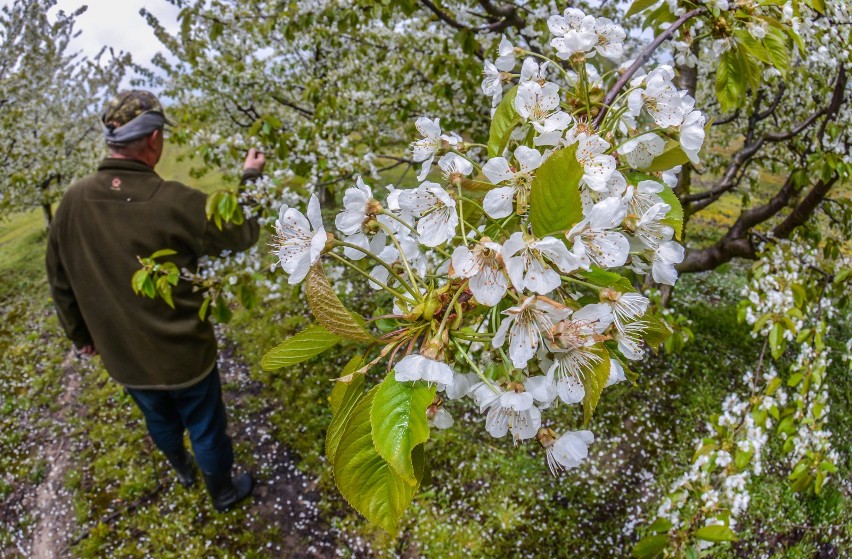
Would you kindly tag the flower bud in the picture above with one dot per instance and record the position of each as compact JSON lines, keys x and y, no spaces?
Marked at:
{"x":546,"y":437}
{"x":431,"y":305}
{"x":414,"y":314}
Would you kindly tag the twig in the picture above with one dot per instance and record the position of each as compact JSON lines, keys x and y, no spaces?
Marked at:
{"x":640,"y":60}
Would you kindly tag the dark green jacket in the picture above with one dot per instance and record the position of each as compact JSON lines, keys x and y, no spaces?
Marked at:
{"x":103,"y":223}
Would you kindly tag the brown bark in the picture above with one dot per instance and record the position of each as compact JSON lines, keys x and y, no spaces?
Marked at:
{"x":738,"y":241}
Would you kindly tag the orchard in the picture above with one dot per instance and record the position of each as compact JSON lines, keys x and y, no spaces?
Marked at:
{"x":534,"y":279}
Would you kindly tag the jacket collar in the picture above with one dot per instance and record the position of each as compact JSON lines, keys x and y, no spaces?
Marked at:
{"x":112,"y":164}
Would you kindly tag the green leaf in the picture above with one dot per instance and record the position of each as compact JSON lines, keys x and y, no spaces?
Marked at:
{"x":674,"y":218}
{"x":777,"y":344}
{"x":162,"y":252}
{"x":227,"y":205}
{"x":752,"y":46}
{"x":827,"y":466}
{"x":650,"y":546}
{"x":639,"y":6}
{"x":328,"y":309}
{"x":715,"y":533}
{"x":660,"y":15}
{"x":247,"y":295}
{"x":818,"y":5}
{"x":398,"y":418}
{"x":799,"y":295}
{"x":502,"y":123}
{"x":660,"y":525}
{"x":764,"y":318}
{"x":555,"y":193}
{"x":343,"y":398}
{"x":216,"y":29}
{"x":148,"y":287}
{"x":221,"y":311}
{"x":819,"y":482}
{"x":657,"y":331}
{"x":753,"y":68}
{"x":205,"y":306}
{"x":731,"y":80}
{"x":705,"y":449}
{"x":778,"y":46}
{"x":742,"y":458}
{"x":773,"y":385}
{"x":599,"y":276}
{"x":594,"y":381}
{"x":672,"y":156}
{"x":212,"y":203}
{"x":164,"y":289}
{"x":477,"y":186}
{"x":138,"y":280}
{"x":365,"y":479}
{"x":308,"y":343}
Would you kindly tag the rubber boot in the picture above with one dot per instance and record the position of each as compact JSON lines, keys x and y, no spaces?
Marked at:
{"x":183,"y":466}
{"x":227,"y":491}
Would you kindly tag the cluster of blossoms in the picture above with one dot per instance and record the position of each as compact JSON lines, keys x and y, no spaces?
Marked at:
{"x":494,"y":297}
{"x":789,"y":299}
{"x":790,"y":293}
{"x":812,"y":438}
{"x":771,"y":291}
{"x":714,"y":491}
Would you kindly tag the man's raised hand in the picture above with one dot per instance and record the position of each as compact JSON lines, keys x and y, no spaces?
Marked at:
{"x":254,"y":160}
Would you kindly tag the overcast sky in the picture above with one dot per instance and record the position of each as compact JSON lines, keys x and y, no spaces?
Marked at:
{"x":117,"y":23}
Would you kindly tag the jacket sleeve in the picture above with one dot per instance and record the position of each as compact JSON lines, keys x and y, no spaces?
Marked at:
{"x":233,"y":237}
{"x":63,"y":295}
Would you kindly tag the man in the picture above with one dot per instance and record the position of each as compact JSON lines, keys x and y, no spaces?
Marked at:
{"x":164,"y":357}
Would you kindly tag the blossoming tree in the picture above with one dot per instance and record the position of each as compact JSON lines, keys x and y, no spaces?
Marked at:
{"x":294,"y":81}
{"x":49,"y":104}
{"x":513,"y":269}
{"x":510,"y":278}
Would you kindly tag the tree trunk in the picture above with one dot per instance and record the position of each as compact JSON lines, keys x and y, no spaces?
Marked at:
{"x":47,"y":210}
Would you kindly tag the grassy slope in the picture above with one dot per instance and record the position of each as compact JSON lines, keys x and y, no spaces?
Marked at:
{"x":485,"y":498}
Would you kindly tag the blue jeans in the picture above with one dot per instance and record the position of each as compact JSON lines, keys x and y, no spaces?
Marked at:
{"x":198,"y":409}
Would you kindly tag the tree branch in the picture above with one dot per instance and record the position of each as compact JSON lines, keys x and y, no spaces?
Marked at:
{"x":698,"y":201}
{"x":795,"y":131}
{"x":775,"y":102}
{"x":508,"y":16}
{"x":640,"y":60}
{"x":352,"y":174}
{"x":443,"y":16}
{"x":805,"y":208}
{"x":282,"y":101}
{"x":731,"y":118}
{"x":736,"y":243}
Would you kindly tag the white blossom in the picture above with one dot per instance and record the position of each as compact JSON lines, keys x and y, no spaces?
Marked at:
{"x":436,"y":211}
{"x":418,"y":367}
{"x":299,"y":241}
{"x":483,"y":265}
{"x":526,"y":325}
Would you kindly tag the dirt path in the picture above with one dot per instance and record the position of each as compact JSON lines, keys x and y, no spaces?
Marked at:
{"x":53,"y":507}
{"x":284,"y":497}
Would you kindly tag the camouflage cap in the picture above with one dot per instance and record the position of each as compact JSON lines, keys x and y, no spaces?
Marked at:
{"x":128,"y":105}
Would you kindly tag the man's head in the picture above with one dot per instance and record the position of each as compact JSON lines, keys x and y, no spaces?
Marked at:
{"x":133,"y":126}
